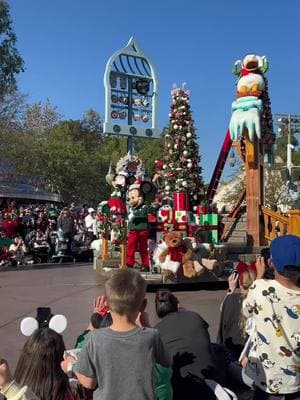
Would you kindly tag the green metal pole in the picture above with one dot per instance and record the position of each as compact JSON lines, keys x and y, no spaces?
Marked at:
{"x":129,"y":144}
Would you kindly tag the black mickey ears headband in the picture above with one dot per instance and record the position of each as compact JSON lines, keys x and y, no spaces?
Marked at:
{"x":44,"y":319}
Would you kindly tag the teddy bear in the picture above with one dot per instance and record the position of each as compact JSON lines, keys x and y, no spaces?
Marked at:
{"x":177,"y":254}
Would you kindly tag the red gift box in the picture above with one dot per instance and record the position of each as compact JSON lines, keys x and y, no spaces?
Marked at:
{"x":181,"y":227}
{"x":181,"y":201}
{"x":202,"y":209}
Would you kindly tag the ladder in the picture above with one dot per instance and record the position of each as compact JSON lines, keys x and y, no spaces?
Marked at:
{"x":211,"y":191}
{"x":233,"y":216}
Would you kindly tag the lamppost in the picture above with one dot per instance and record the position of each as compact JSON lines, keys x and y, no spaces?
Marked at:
{"x":288,"y":125}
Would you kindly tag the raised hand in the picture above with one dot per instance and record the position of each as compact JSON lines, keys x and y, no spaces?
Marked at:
{"x":260,"y":267}
{"x":67,"y":363}
{"x":233,"y":281}
{"x":99,"y":304}
{"x":5,"y":374}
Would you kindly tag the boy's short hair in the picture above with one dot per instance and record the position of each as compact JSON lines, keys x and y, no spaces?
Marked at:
{"x":125,"y":291}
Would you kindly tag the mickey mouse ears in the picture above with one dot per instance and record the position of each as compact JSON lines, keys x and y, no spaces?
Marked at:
{"x":58,"y":323}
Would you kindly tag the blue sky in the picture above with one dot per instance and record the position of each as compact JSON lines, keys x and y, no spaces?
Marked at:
{"x":65,"y":45}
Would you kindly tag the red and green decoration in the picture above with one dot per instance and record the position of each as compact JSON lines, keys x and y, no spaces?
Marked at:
{"x":181,"y":170}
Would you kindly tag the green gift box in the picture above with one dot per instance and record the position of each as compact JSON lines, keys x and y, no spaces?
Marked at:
{"x":209,"y":219}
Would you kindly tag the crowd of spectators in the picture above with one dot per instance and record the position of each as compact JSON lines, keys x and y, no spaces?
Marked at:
{"x":119,"y":356}
{"x":29,"y":232}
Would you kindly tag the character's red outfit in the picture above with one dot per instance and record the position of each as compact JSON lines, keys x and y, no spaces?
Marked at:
{"x":137,"y":239}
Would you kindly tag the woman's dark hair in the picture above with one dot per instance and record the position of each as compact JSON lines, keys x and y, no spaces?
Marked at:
{"x":101,"y":322}
{"x":39,"y":365}
{"x":165,"y":302}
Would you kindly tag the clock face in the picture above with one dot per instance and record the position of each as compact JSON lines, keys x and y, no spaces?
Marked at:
{"x":142,"y":86}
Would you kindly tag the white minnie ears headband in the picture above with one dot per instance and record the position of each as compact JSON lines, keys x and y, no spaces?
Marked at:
{"x":44,"y":319}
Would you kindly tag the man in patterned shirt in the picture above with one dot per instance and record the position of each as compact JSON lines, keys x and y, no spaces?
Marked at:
{"x":274,"y":306}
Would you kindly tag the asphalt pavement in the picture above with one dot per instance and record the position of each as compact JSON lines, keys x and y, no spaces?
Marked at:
{"x":69,"y":290}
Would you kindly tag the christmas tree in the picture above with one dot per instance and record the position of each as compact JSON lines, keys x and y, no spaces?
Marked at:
{"x":181,"y":169}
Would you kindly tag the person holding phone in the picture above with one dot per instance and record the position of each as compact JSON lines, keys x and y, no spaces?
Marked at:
{"x":9,"y":388}
{"x":232,"y":325}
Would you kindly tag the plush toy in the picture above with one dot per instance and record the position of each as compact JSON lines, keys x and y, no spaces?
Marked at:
{"x":250,"y":72}
{"x":137,"y":239}
{"x":177,"y":252}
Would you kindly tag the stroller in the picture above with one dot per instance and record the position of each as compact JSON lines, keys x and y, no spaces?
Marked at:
{"x":62,"y":248}
{"x":40,"y":248}
{"x":80,"y":248}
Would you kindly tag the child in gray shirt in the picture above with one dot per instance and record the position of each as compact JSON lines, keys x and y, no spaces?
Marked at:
{"x":120,"y":360}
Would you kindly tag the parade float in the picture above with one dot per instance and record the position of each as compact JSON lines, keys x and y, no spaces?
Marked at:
{"x":165,"y":224}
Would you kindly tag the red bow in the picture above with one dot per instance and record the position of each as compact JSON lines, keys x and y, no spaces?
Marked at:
{"x":242,"y":267}
{"x":103,"y":312}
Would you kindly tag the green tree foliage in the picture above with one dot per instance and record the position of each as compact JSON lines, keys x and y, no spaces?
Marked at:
{"x":69,"y":156}
{"x":12,"y":110}
{"x":275,"y":189}
{"x":11,"y":62}
{"x":281,"y":148}
{"x":41,"y":117}
{"x":150,"y":150}
{"x":92,"y":122}
{"x":233,"y":192}
{"x":182,"y":171}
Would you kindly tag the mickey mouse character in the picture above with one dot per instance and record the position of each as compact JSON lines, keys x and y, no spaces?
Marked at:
{"x":296,"y":337}
{"x":273,"y":385}
{"x":137,"y":239}
{"x":271,"y":295}
{"x":264,"y":358}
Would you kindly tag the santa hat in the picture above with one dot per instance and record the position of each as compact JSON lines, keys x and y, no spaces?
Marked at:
{"x":136,"y":185}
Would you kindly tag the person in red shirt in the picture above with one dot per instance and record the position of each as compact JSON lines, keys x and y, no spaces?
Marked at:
{"x":12,"y":225}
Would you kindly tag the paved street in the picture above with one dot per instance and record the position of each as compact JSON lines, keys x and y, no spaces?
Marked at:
{"x":69,"y":291}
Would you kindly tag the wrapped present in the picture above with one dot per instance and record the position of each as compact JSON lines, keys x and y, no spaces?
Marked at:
{"x":181,"y":201}
{"x":202,"y":209}
{"x":182,"y":216}
{"x":209,"y":227}
{"x":165,"y":214}
{"x":210,"y":233}
{"x":209,"y":219}
{"x":195,"y":220}
{"x":182,"y":227}
{"x":169,"y":227}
